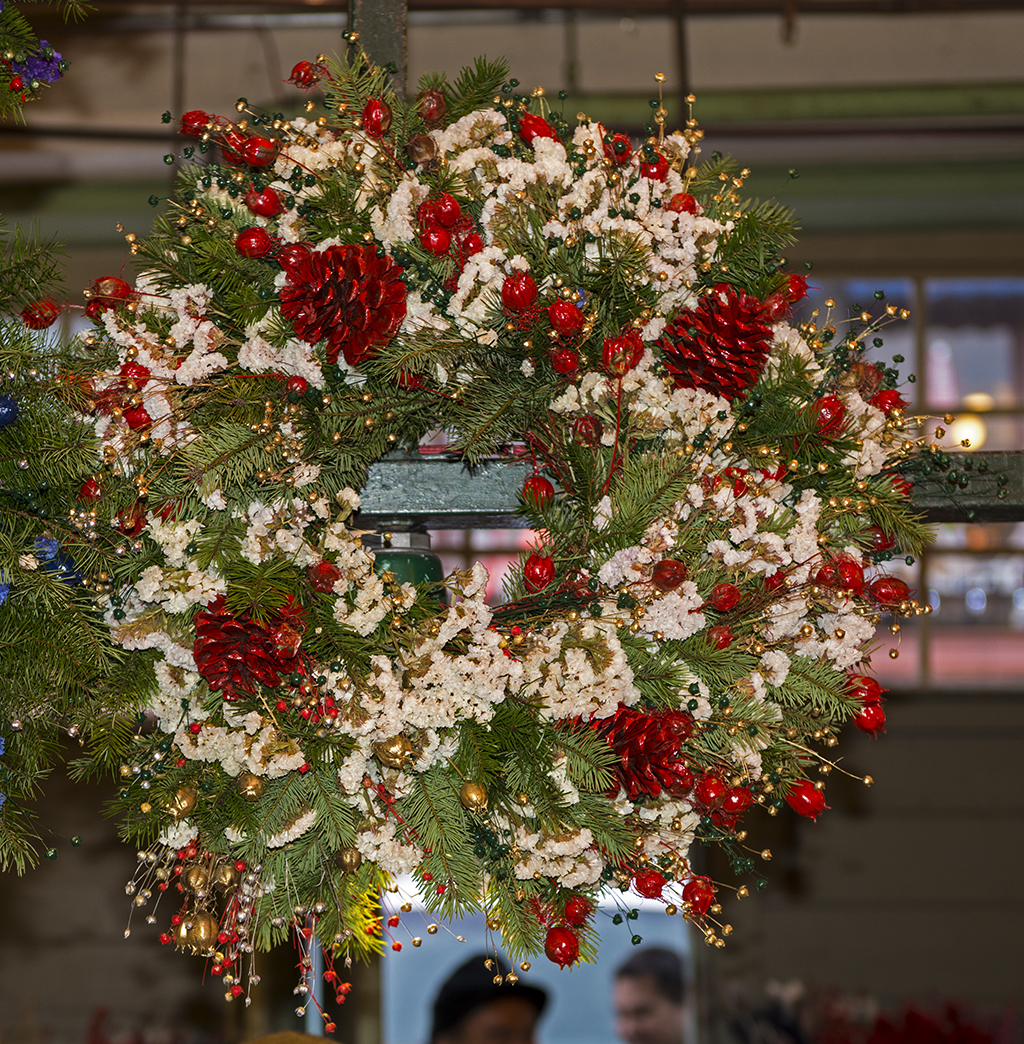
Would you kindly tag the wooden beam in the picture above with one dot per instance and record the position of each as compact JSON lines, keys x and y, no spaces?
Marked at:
{"x":381,"y":25}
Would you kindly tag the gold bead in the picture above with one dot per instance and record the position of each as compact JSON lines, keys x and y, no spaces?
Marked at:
{"x":524,"y":966}
{"x":348,"y":859}
{"x":145,"y":807}
{"x":473,"y":796}
{"x":431,"y":929}
{"x":671,"y":910}
{"x":250,"y":786}
{"x":868,"y":781}
{"x":417,"y":941}
{"x":493,"y":923}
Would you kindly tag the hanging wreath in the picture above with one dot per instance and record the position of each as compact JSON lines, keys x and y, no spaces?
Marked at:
{"x":713,"y":488}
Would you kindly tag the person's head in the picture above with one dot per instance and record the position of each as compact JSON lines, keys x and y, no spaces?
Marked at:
{"x":471,"y":1008}
{"x":650,"y":998}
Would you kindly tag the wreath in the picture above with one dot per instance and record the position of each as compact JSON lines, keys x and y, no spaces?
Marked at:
{"x":712,"y":491}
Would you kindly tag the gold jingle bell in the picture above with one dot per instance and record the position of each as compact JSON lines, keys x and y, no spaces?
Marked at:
{"x":394,"y":752}
{"x":349,"y":859}
{"x":250,"y":786}
{"x":227,"y":877}
{"x":183,"y":802}
{"x":197,"y":879}
{"x":201,"y":934}
{"x":473,"y":796}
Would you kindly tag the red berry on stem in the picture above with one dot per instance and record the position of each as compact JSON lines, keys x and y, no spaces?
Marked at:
{"x":472,"y":244}
{"x":538,"y":572}
{"x":737,"y":800}
{"x":889,"y":591}
{"x":805,"y":799}
{"x":578,"y":910}
{"x":305,"y":75}
{"x":295,"y":387}
{"x":322,"y":576}
{"x":699,"y":892}
{"x":668,"y":574}
{"x":871,"y":719}
{"x":588,"y":430}
{"x":861,"y":687}
{"x":432,"y":105}
{"x":89,"y":491}
{"x":721,"y":636}
{"x":260,"y":152}
{"x":887,"y":400}
{"x":561,"y":946}
{"x":725,"y":596}
{"x":531,"y":127}
{"x":518,"y":291}
{"x":710,"y":790}
{"x":683,"y":203}
{"x":537,"y":491}
{"x":656,"y":170}
{"x":137,"y":417}
{"x":266,"y":203}
{"x":565,"y":360}
{"x":565,"y":317}
{"x":254,"y":242}
{"x":880,"y":540}
{"x":649,"y":883}
{"x":194,"y":124}
{"x":620,"y":354}
{"x":291,"y":256}
{"x":436,"y":240}
{"x":619,"y":149}
{"x":447,"y":210}
{"x":376,"y":118}
{"x":39,"y":315}
{"x":830,"y":412}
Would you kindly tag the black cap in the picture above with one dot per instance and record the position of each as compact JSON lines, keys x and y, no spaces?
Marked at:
{"x":472,"y":984}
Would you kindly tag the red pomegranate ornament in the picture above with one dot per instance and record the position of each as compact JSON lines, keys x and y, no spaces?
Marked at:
{"x":40,"y":315}
{"x":538,"y":572}
{"x":107,"y":292}
{"x":376,"y":118}
{"x":621,"y":354}
{"x":683,"y":203}
{"x":561,"y":946}
{"x":323,"y":575}
{"x":889,"y":591}
{"x":587,"y":430}
{"x":290,"y":256}
{"x":710,"y":790}
{"x":348,"y":296}
{"x":861,"y":687}
{"x":532,"y":127}
{"x":436,"y":240}
{"x":699,"y":893}
{"x":668,"y":574}
{"x":656,"y":169}
{"x":254,"y":242}
{"x":871,"y":719}
{"x":537,"y":492}
{"x":260,"y":152}
{"x":195,"y":123}
{"x":447,"y":210}
{"x":830,"y":412}
{"x":725,"y":596}
{"x":721,"y":636}
{"x":566,"y":318}
{"x":565,"y":361}
{"x":842,"y":573}
{"x":648,"y":746}
{"x":137,"y":417}
{"x":577,"y":910}
{"x":266,"y":203}
{"x":432,"y":105}
{"x":89,"y":491}
{"x":295,"y":387}
{"x":805,"y":799}
{"x":306,"y":74}
{"x":472,"y":244}
{"x":518,"y":291}
{"x":887,"y":400}
{"x":649,"y":883}
{"x":719,"y":347}
{"x":619,"y":149}
{"x":736,"y":801}
{"x":236,"y":654}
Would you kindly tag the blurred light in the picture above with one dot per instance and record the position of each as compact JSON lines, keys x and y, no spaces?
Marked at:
{"x":978,"y":402}
{"x":1018,"y":599}
{"x":934,"y":600}
{"x":975,"y":600}
{"x":970,"y":428}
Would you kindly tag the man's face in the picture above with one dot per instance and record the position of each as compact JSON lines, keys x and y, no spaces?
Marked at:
{"x":643,"y":1015}
{"x":504,"y":1020}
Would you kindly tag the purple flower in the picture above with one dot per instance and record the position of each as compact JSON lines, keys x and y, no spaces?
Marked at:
{"x":42,"y":65}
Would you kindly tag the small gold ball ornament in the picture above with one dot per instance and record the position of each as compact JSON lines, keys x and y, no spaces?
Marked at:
{"x":250,"y":786}
{"x":473,"y":796}
{"x":394,"y":752}
{"x":183,"y":802}
{"x":349,"y":859}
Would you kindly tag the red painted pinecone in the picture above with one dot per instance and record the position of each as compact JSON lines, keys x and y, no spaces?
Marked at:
{"x":236,"y":653}
{"x":347,"y":296}
{"x":648,"y":748}
{"x":721,"y":346}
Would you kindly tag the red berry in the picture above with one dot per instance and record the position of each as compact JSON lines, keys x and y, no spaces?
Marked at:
{"x":806,"y":799}
{"x":295,"y":387}
{"x":578,"y":910}
{"x":89,"y":491}
{"x":619,"y":149}
{"x":724,"y":597}
{"x":871,"y":719}
{"x":432,"y":105}
{"x":436,"y":240}
{"x":322,"y":576}
{"x":266,"y":203}
{"x":842,"y":572}
{"x":376,"y":118}
{"x":565,"y":360}
{"x":861,"y":687}
{"x":620,"y":354}
{"x":518,"y":292}
{"x":306,"y":75}
{"x":710,"y":790}
{"x":830,"y":412}
{"x":138,"y":375}
{"x":260,"y":152}
{"x":880,"y":540}
{"x":39,"y":315}
{"x":699,"y":892}
{"x":194,"y":124}
{"x":291,"y":256}
{"x":668,"y":574}
{"x":447,"y":210}
{"x":682,"y":203}
{"x":561,"y":946}
{"x":538,"y":572}
{"x":531,"y":127}
{"x":393,"y":921}
{"x":721,"y":636}
{"x":164,"y":938}
{"x":16,"y":84}
{"x":565,"y":317}
{"x":195,"y":728}
{"x":537,"y":492}
{"x":656,"y":170}
{"x":889,"y":591}
{"x":887,"y":400}
{"x":737,"y":477}
{"x":649,"y":883}
{"x":587,"y":430}
{"x":254,"y":242}
{"x":237,"y":991}
{"x":472,"y":244}
{"x":137,"y":417}
{"x":737,"y":800}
